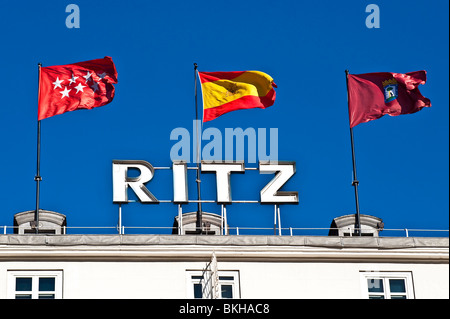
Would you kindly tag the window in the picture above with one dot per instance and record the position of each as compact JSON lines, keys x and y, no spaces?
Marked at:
{"x":34,"y":284}
{"x":387,"y":285}
{"x":200,"y":285}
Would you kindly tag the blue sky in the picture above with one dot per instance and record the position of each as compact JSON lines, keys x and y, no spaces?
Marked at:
{"x":305,"y":46}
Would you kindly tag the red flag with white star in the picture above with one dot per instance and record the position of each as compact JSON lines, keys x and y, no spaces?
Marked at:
{"x":70,"y":87}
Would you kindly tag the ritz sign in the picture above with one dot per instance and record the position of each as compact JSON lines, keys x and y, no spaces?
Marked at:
{"x":270,"y":194}
{"x":212,"y":163}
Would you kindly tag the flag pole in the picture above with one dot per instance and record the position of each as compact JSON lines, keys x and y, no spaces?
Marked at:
{"x":199,"y":204}
{"x":38,"y":177}
{"x":355,"y":181}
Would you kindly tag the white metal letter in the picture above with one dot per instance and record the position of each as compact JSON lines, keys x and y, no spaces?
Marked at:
{"x":270,"y":194}
{"x":121,"y":181}
{"x":223,"y":171}
{"x":180,"y":188}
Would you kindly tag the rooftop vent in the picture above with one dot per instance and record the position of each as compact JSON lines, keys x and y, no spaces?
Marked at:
{"x":211,"y":224}
{"x":49,"y":222}
{"x":345,"y":226}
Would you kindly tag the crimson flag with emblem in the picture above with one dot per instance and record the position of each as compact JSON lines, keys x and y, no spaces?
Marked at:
{"x":373,"y":95}
{"x":70,"y":87}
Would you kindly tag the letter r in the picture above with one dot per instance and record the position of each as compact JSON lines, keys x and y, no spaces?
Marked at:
{"x":121,"y":181}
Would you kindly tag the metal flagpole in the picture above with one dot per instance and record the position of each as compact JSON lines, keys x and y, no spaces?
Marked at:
{"x":279,"y":220}
{"x":120,"y":219}
{"x":275,"y":219}
{"x":221,"y":218}
{"x":180,"y":220}
{"x":199,"y":204}
{"x":38,"y":177}
{"x":355,"y":181}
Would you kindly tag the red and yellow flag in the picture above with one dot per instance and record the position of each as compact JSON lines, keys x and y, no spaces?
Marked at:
{"x":224,"y":92}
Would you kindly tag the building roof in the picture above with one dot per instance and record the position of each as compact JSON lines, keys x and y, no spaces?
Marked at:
{"x":236,"y":248}
{"x":232,"y":240}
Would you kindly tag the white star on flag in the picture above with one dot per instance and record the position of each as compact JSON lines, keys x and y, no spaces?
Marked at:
{"x":80,"y":87}
{"x":94,"y":86}
{"x":87,"y":76}
{"x":65,"y":92}
{"x":72,"y":80}
{"x":57,"y":83}
{"x":102,"y":75}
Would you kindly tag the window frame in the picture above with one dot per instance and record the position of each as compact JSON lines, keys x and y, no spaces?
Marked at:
{"x":35,"y":275}
{"x":385,"y":277}
{"x":191,"y":281}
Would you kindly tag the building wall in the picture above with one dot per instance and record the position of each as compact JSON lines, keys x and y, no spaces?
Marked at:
{"x":333,"y":280}
{"x":164,"y":279}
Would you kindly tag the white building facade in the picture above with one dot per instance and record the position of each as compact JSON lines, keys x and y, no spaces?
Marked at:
{"x":238,"y":267}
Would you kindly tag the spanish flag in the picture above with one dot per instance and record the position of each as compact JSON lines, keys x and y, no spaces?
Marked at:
{"x":224,"y":92}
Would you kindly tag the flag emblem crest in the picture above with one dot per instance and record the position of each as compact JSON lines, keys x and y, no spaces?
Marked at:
{"x":390,"y":88}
